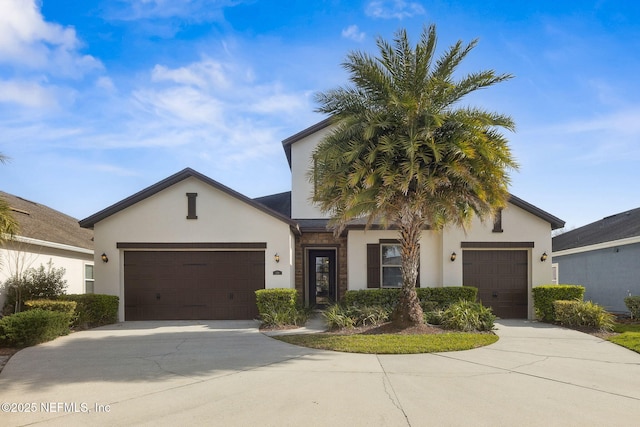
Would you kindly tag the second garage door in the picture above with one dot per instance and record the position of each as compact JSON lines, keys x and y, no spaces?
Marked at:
{"x":192,"y":285}
{"x":501,"y":277}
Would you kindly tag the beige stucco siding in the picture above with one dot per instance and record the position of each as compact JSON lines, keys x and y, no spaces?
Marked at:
{"x":430,"y":261}
{"x":161,"y":218}
{"x":301,"y":186}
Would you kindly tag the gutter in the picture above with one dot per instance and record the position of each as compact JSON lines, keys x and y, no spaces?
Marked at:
{"x":53,"y":245}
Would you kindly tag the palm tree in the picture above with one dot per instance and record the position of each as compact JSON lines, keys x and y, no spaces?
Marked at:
{"x":404,"y":153}
{"x":8,"y":225}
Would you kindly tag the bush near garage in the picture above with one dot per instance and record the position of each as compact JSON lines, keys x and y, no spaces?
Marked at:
{"x":633,"y":305}
{"x":545,"y":295}
{"x":68,"y":307}
{"x":430,"y":298}
{"x":468,"y":316}
{"x":33,"y":283}
{"x":583,"y":314}
{"x":279,"y":307}
{"x":93,"y":309}
{"x":32,"y":327}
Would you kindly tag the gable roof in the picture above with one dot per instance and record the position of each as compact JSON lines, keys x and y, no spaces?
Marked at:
{"x":40,"y":222}
{"x":615,"y":227}
{"x":89,"y":222}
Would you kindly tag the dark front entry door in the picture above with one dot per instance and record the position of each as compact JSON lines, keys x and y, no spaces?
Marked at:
{"x":322,"y":277}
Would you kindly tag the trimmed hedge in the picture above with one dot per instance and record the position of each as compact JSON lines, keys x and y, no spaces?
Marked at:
{"x":434,"y":298}
{"x":545,"y":295}
{"x":633,"y":304}
{"x":93,"y":309}
{"x":582,"y":314}
{"x":32,"y":327}
{"x":68,"y":307}
{"x":280,"y":307}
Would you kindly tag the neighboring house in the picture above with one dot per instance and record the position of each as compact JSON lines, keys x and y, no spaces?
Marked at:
{"x":47,"y":235}
{"x":604,"y":257}
{"x":190,"y":248}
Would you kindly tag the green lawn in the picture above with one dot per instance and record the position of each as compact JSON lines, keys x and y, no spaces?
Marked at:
{"x":392,"y":343}
{"x":629,"y":336}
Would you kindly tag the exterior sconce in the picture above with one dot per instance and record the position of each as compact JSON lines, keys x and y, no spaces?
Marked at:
{"x":276,"y":257}
{"x":544,"y":256}
{"x":104,"y":257}
{"x":453,"y":256}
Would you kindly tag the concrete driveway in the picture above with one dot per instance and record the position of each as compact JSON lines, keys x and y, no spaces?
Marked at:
{"x":228,"y":373}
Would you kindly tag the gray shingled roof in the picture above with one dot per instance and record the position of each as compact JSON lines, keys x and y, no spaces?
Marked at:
{"x":281,"y":203}
{"x":43,"y":223}
{"x":615,"y":227}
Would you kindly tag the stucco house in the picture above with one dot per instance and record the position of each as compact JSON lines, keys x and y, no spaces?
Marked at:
{"x":188,"y":247}
{"x":604,"y":257}
{"x":47,"y":235}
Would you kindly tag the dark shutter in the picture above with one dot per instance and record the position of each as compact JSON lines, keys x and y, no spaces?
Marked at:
{"x":373,"y":265}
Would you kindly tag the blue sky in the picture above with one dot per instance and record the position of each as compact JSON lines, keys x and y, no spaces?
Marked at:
{"x":99,"y":99}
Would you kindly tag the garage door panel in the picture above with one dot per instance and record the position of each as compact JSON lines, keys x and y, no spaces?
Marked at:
{"x":501,"y":278}
{"x":194,"y":285}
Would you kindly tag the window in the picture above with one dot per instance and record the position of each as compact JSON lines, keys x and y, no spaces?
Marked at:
{"x":88,"y":278}
{"x":390,"y":266}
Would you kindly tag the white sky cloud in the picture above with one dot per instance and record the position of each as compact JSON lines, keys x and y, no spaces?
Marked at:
{"x":28,"y":41}
{"x":28,"y":94}
{"x":393,"y":9}
{"x":352,"y":32}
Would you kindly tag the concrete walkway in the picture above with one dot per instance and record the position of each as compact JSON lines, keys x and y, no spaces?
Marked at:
{"x":228,"y":373}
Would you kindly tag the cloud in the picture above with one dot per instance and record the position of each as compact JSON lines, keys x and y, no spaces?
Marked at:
{"x":192,"y":10}
{"x":353,"y":32}
{"x":28,"y":94}
{"x":393,"y":9}
{"x":27,"y":41}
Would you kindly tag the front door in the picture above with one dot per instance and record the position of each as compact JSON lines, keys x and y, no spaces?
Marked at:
{"x":322,"y":277}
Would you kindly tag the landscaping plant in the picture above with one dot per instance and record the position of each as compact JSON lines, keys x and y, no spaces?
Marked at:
{"x":280,"y":307}
{"x":545,"y":295}
{"x":468,"y":316}
{"x":633,"y":305}
{"x":33,"y":283}
{"x":584,"y":314}
{"x":32,"y":327}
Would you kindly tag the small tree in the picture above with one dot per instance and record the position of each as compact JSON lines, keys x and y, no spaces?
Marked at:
{"x":406,"y":152}
{"x":34,"y":283}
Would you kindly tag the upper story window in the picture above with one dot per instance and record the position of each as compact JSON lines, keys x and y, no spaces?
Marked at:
{"x":390,"y":264}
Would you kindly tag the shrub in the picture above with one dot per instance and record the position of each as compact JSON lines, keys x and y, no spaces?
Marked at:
{"x":583,"y":314}
{"x":434,"y":317}
{"x":545,"y":295}
{"x":468,"y":316}
{"x":68,"y":307}
{"x":280,"y":307}
{"x":34,"y":283}
{"x":32,"y":327}
{"x":93,"y":309}
{"x":633,"y":304}
{"x":430,"y":298}
{"x":339,"y":316}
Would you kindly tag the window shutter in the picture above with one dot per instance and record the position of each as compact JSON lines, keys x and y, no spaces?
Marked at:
{"x":373,"y":265}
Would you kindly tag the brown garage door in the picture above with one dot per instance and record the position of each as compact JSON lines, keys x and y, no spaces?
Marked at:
{"x":192,"y":285}
{"x":501,"y":278}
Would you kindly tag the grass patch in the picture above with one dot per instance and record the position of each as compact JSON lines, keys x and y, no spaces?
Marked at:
{"x":629,"y":336}
{"x":391,"y":343}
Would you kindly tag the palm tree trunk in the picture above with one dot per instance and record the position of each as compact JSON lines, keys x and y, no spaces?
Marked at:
{"x":408,"y":312}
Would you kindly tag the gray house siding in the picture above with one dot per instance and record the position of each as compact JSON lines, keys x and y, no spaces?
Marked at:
{"x":608,"y":275}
